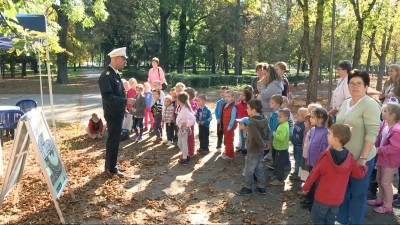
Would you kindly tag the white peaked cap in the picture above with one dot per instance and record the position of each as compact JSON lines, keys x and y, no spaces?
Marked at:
{"x":118,"y":52}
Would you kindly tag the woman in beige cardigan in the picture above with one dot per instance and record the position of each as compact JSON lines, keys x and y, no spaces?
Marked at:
{"x":362,"y":113}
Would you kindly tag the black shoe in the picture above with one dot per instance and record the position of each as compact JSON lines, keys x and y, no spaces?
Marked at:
{"x":306,"y":202}
{"x":184,"y":161}
{"x":261,"y":191}
{"x":243,"y":151}
{"x":118,"y":173}
{"x":204,"y":152}
{"x":371,"y":195}
{"x":244,"y":191}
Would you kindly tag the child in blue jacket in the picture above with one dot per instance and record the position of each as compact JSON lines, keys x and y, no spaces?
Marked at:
{"x":203,"y":118}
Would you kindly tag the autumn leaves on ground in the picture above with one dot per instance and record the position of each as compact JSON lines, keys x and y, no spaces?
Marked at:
{"x":156,"y":189}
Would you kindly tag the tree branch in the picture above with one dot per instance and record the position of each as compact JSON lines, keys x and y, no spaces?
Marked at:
{"x":356,"y":8}
{"x":197,"y":21}
{"x":389,"y":39}
{"x":153,"y":22}
{"x":9,"y":26}
{"x":376,"y":51}
{"x":368,"y":11}
{"x":300,"y":3}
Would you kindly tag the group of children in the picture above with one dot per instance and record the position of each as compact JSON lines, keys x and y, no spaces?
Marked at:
{"x":318,"y":144}
{"x":318,"y":148}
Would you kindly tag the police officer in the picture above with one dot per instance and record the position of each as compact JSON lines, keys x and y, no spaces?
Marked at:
{"x":114,"y":102}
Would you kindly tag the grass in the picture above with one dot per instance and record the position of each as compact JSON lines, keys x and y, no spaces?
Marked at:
{"x":31,"y":84}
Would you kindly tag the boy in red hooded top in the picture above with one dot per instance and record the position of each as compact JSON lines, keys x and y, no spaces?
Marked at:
{"x":95,"y":128}
{"x":332,"y":171}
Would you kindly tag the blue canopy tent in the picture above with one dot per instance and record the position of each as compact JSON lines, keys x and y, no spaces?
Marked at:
{"x":34,"y":23}
{"x":27,"y":21}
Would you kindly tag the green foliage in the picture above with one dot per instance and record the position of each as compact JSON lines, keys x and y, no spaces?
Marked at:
{"x":208,"y":80}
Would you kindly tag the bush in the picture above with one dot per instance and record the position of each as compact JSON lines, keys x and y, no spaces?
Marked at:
{"x":139,"y":75}
{"x":208,"y":80}
{"x":195,"y":81}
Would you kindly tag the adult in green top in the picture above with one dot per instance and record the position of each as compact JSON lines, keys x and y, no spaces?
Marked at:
{"x":362,"y":113}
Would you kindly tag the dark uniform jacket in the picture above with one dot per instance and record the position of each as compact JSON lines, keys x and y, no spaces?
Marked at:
{"x":112,"y":93}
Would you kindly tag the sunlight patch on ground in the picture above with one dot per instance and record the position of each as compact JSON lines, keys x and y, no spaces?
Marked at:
{"x":138,"y":185}
{"x":200,"y":162}
{"x":201,"y":218}
{"x":284,"y":207}
{"x":178,"y":186}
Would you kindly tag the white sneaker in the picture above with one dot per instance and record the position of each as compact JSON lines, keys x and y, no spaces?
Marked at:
{"x":170,"y":143}
{"x":224,"y":156}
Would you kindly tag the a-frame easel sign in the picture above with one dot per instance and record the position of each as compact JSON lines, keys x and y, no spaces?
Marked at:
{"x":33,"y":127}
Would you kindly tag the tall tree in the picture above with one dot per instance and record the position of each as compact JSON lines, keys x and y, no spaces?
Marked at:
{"x":192,"y":13}
{"x":371,"y":47}
{"x":361,"y":16}
{"x":386,"y":39}
{"x":238,"y":30}
{"x":312,"y":55}
{"x":67,"y":11}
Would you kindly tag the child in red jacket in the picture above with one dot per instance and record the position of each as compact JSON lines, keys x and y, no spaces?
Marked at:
{"x":241,"y":106}
{"x":228,"y":122}
{"x":332,"y":171}
{"x":95,"y":128}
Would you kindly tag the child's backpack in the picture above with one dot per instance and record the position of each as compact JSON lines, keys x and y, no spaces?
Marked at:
{"x":124,"y":134}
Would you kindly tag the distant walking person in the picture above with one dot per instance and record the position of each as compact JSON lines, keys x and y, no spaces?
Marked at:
{"x":114,"y":103}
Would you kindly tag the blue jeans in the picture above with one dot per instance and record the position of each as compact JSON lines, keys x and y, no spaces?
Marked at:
{"x":323,"y":214}
{"x":352,"y":210}
{"x":298,"y":154}
{"x":253,"y":166}
{"x":242,"y":140}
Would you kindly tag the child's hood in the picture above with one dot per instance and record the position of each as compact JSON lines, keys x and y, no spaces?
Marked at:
{"x":344,"y":166}
{"x":260,"y":120}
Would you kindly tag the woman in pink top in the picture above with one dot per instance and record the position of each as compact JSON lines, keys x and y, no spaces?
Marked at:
{"x":156,"y":73}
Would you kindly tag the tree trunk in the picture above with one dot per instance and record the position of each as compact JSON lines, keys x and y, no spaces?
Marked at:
{"x":194,"y":66}
{"x":297,"y":78}
{"x":236,"y":40}
{"x":23,"y":72}
{"x":360,"y":17}
{"x":285,"y":37}
{"x":299,"y":54}
{"x":75,"y":66}
{"x":357,"y":45}
{"x":312,"y":59}
{"x":34,"y":66}
{"x":213,"y":60}
{"x":62,"y":58}
{"x":312,"y":85}
{"x":240,"y":65}
{"x":164,"y":24}
{"x":387,"y":37}
{"x":12,"y":66}
{"x":226,"y":63}
{"x":371,"y":47}
{"x":183,"y":32}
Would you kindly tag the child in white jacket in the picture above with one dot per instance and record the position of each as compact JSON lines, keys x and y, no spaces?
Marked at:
{"x":184,"y":121}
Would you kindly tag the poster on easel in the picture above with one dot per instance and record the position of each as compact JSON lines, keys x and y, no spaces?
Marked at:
{"x":33,"y":128}
{"x":48,"y":153}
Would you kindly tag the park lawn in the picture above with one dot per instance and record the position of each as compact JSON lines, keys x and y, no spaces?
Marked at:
{"x":31,"y":85}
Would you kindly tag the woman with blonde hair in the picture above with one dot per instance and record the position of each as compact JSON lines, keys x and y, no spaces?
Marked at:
{"x":391,"y":87}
